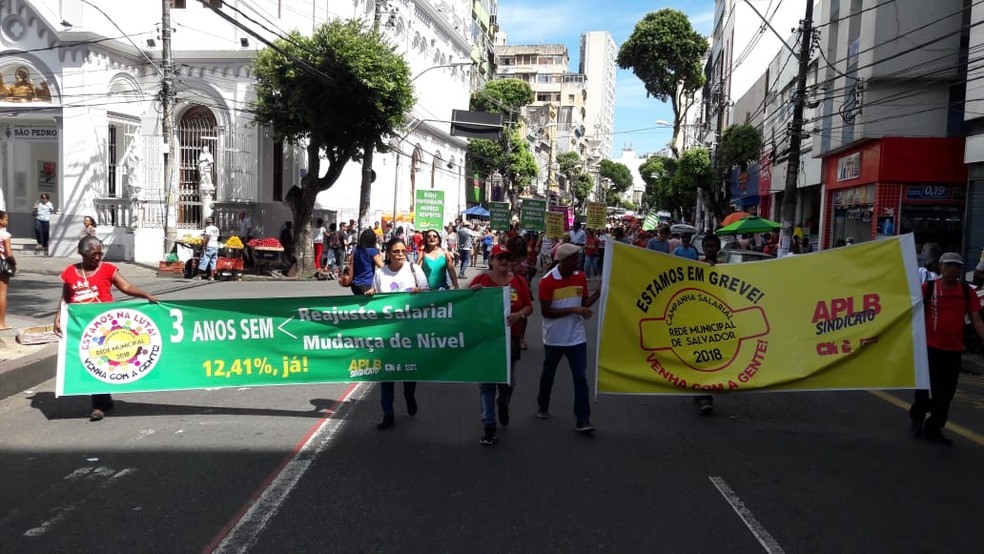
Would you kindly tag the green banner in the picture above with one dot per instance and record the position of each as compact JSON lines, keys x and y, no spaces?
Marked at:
{"x":195,"y":344}
{"x":429,"y":210}
{"x":499,"y":215}
{"x":531,"y":214}
{"x":650,"y":222}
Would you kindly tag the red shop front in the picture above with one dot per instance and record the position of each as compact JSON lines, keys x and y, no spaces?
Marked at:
{"x":896,"y":185}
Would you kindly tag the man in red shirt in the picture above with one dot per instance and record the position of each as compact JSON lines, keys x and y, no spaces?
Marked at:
{"x":946,"y":302}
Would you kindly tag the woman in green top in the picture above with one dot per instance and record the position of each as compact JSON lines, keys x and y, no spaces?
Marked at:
{"x":437,"y":263}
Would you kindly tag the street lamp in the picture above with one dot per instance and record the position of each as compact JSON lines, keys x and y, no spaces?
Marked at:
{"x":452,"y":64}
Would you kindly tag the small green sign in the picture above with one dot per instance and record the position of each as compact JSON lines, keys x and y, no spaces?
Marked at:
{"x":196,"y":344}
{"x":531,"y":214}
{"x":499,"y":214}
{"x":429,"y":210}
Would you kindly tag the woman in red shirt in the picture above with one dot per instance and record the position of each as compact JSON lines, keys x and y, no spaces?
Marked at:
{"x":591,"y":255}
{"x":501,"y":275}
{"x":92,"y":281}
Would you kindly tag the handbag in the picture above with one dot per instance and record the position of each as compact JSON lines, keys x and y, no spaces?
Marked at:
{"x":345,"y":279}
{"x":7,"y":267}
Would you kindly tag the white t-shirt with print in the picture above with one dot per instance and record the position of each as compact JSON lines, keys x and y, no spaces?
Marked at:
{"x":407,"y":277}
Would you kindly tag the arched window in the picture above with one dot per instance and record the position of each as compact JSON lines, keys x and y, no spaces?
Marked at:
{"x":438,"y":163}
{"x":197,"y":135}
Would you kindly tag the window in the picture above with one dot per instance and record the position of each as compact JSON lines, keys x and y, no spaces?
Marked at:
{"x":178,"y":4}
{"x":111,"y":165}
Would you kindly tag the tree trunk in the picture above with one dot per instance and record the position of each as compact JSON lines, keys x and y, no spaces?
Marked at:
{"x":366,"y":192}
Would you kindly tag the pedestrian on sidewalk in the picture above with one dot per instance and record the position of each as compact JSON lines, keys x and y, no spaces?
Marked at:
{"x":92,"y":281}
{"x":210,"y":256}
{"x":397,"y":275}
{"x":7,"y":253}
{"x":88,"y":227}
{"x":565,"y":303}
{"x":43,"y":209}
{"x":946,"y":302}
{"x":520,"y":307}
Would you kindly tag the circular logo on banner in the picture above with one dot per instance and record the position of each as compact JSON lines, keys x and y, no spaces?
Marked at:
{"x":120,"y":346}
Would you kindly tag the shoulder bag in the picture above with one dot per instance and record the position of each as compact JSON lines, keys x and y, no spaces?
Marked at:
{"x":7,"y":267}
{"x":348,"y":273}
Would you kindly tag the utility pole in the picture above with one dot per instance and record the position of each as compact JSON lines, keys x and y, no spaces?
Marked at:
{"x":167,"y":126}
{"x":796,"y":133}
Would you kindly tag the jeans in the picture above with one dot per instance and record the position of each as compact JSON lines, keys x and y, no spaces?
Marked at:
{"x":577,"y":358}
{"x":41,"y":232}
{"x":486,"y":392}
{"x":387,"y":390}
{"x":590,"y":266}
{"x":209,"y":257}
{"x":944,"y":370}
{"x":465,"y":260}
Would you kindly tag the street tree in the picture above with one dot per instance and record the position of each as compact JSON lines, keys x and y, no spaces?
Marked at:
{"x":664,"y":51}
{"x":616,"y":178}
{"x":581,"y":186}
{"x":351,"y":94}
{"x":510,"y":156}
{"x":739,"y":146}
{"x":673,"y":184}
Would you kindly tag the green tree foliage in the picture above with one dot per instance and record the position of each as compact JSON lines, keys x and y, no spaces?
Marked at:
{"x":511,"y":155}
{"x":619,"y":180}
{"x":359,"y":95}
{"x":673,"y":184}
{"x":740,"y":145}
{"x":665,"y":53}
{"x":581,"y":186}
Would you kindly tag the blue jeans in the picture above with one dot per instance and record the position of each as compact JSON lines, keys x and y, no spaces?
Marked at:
{"x":209,"y":257}
{"x":465,"y":260}
{"x":41,"y":232}
{"x":590,"y":266}
{"x":577,"y":358}
{"x":486,"y":392}
{"x":387,"y":390}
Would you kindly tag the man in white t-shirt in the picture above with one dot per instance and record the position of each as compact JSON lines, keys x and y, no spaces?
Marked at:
{"x":211,"y":254}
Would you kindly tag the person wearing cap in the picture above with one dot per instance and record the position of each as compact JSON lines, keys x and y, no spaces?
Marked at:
{"x":210,"y":237}
{"x":946,"y":302}
{"x":500,"y":274}
{"x":565,"y":304}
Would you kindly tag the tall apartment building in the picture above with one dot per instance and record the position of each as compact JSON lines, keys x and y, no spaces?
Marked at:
{"x":597,"y":64}
{"x":974,"y":150}
{"x":891,"y":122}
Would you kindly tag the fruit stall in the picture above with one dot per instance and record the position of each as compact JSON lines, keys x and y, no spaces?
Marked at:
{"x":229,"y":264}
{"x":266,"y":254}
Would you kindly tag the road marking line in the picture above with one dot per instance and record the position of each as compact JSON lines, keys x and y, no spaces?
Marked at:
{"x":239,"y":534}
{"x":957,"y":429}
{"x":765,"y":539}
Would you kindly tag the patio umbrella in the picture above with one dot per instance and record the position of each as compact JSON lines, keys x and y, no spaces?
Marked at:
{"x":477,"y":211}
{"x":748,"y":226}
{"x":733,"y":217}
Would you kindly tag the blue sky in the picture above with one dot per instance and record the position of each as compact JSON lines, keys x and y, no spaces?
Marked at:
{"x":563,"y":22}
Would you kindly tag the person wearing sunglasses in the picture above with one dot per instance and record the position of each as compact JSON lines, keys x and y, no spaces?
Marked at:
{"x":397,"y":275}
{"x":437,"y":263}
{"x":500,"y":274}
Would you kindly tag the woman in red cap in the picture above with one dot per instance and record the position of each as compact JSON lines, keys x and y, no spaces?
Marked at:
{"x":500,"y":274}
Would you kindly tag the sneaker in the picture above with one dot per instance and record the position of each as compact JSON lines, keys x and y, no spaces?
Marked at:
{"x":488,"y":436}
{"x":585,"y":428}
{"x":938,"y":437}
{"x":385,"y":423}
{"x":542,"y":414}
{"x":706,"y":406}
{"x":503,"y":408}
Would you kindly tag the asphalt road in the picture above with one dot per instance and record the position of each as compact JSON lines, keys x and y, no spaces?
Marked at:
{"x":293,"y":469}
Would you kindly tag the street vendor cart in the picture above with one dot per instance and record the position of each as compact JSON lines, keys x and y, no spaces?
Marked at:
{"x":229,"y":264}
{"x":266,"y":258}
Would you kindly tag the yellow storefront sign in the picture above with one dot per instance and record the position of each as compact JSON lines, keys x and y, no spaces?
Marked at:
{"x":849,"y":318}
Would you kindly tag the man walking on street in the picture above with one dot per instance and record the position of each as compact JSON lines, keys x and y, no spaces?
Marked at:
{"x":465,"y":243}
{"x":946,"y":302}
{"x":712,"y":246}
{"x":565,"y":303}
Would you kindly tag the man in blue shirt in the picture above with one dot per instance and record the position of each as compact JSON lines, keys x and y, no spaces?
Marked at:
{"x":686,"y":250}
{"x":660,"y":242}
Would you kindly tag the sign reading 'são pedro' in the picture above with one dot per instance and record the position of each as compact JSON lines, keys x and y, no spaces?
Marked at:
{"x":673,"y":326}
{"x":192,"y":344}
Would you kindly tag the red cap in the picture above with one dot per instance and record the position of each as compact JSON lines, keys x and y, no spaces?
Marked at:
{"x":499,"y":249}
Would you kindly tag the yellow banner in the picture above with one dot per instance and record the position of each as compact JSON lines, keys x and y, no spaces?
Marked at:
{"x":555,"y":225}
{"x":848,"y":318}
{"x":596,"y":214}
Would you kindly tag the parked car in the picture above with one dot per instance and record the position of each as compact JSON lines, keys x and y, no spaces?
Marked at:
{"x":736,"y":256}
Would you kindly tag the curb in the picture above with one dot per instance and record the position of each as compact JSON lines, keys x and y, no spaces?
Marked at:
{"x":23,"y":373}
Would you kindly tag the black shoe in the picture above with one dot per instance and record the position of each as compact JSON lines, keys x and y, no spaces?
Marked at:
{"x":542,"y":413}
{"x":916,"y":428}
{"x":411,"y":405}
{"x":386,"y":422}
{"x":488,"y":436}
{"x":97,"y":415}
{"x":585,"y":428}
{"x":706,"y":406}
{"x":503,"y":412}
{"x":938,"y":437}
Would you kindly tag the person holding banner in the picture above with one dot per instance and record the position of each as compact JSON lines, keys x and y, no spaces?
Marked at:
{"x":437,"y":263}
{"x":521,"y":306}
{"x":947,"y":301}
{"x":92,"y":281}
{"x":397,"y":275}
{"x":565,"y":303}
{"x":712,"y":247}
